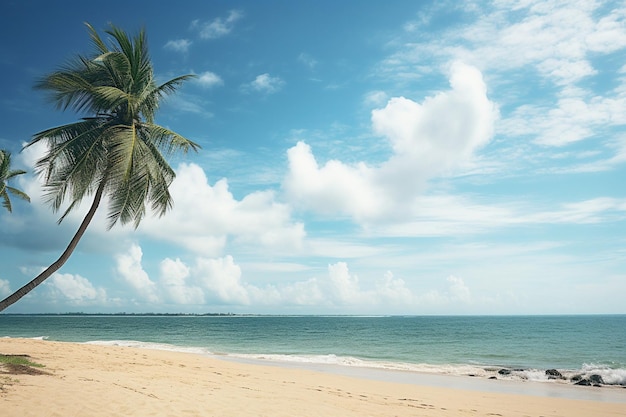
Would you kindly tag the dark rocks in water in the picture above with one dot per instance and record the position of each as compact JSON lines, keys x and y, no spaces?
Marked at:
{"x":596,"y":379}
{"x":504,"y":372}
{"x":554,"y":374}
{"x":495,"y":377}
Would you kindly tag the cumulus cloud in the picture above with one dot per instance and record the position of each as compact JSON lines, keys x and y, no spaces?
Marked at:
{"x":552,"y":45}
{"x":345,"y":286}
{"x":178,"y":45}
{"x":222,"y":278}
{"x":214,"y":282}
{"x":394,"y":290}
{"x":75,"y":290}
{"x":209,"y":79}
{"x":205,"y":217}
{"x":332,"y":188}
{"x":131,"y":271}
{"x":264,"y":83}
{"x":217,"y":27}
{"x":428,"y":139}
{"x":218,"y":282}
{"x":5,"y":288}
{"x":174,"y":280}
{"x":458,"y":290}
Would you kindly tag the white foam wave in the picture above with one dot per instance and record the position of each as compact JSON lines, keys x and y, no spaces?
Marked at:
{"x":32,"y":338}
{"x":152,"y":346}
{"x":356,"y":362}
{"x":610,"y":376}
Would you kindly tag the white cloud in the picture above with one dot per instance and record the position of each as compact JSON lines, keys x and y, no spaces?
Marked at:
{"x":209,"y":79}
{"x":222,"y":278}
{"x":217,"y":27}
{"x":458,"y":290}
{"x":444,"y":131}
{"x":376,"y":98}
{"x":214,"y":282}
{"x":205,"y":217}
{"x":345,"y":286}
{"x":178,"y":45}
{"x":549,"y":45}
{"x":75,"y":290}
{"x":394,"y":290}
{"x":447,"y":215}
{"x":5,"y":288}
{"x":130,"y":269}
{"x":572,"y":119}
{"x":307,"y":60}
{"x":332,"y":188}
{"x":188,"y":103}
{"x":264,"y":83}
{"x":174,"y":281}
{"x":429,"y":139}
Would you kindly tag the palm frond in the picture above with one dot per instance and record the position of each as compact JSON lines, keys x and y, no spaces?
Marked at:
{"x":96,"y":40}
{"x":15,"y":173}
{"x":126,"y":175}
{"x":169,"y":141}
{"x":6,"y":202}
{"x":6,"y":173}
{"x":110,"y":97}
{"x":119,"y":147}
{"x":18,"y":193}
{"x":68,"y":88}
{"x":76,"y":156}
{"x":162,"y":175}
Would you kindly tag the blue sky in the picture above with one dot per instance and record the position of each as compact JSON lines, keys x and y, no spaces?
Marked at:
{"x":359,"y":157}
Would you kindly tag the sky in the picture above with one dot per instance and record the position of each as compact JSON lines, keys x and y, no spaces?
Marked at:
{"x":358,"y":157}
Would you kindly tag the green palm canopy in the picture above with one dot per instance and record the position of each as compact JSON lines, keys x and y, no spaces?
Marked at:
{"x":115,"y":151}
{"x":6,"y":173}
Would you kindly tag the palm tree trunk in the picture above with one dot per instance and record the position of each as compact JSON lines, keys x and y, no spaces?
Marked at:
{"x":64,"y":256}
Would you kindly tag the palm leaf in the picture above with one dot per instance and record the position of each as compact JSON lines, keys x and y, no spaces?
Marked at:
{"x":6,"y":173}
{"x":18,"y":193}
{"x":120,"y":144}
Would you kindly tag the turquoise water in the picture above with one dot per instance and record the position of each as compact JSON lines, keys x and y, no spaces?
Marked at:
{"x":478,"y":346}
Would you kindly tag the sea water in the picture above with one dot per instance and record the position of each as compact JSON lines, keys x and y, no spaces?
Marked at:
{"x":505,"y":347}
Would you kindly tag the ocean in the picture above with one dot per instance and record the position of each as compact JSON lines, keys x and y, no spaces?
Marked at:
{"x":503,"y":347}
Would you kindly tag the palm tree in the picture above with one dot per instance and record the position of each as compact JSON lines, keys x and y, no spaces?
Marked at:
{"x":116,"y":150}
{"x":5,"y":175}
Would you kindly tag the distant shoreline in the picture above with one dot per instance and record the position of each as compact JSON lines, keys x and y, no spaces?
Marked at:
{"x":74,"y":314}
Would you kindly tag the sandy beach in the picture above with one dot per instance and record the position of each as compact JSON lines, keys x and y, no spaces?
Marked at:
{"x":92,"y":380}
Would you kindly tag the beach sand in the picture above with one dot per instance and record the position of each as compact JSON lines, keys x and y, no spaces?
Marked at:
{"x":90,"y":380}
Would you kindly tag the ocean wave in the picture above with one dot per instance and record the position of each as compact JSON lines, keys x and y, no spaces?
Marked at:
{"x":611,"y":376}
{"x":32,"y":338}
{"x":608,"y":375}
{"x":152,"y":346}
